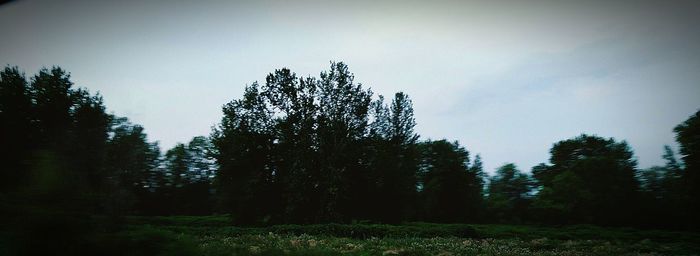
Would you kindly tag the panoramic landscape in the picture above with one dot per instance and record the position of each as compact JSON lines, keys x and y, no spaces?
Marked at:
{"x":349,"y":128}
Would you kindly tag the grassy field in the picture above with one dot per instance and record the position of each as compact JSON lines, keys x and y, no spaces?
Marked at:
{"x":212,"y":235}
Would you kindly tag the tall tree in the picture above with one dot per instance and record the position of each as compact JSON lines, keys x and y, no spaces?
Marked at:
{"x":342,"y":125}
{"x":244,"y":144}
{"x":304,"y":150}
{"x":295,"y":106}
{"x":396,"y":164}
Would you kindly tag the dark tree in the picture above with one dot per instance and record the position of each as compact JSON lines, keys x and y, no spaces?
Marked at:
{"x":303,"y":150}
{"x":342,"y":125}
{"x":53,"y":98}
{"x":58,"y":176}
{"x":91,"y":126}
{"x":177,"y":165}
{"x":131,"y":164}
{"x":509,"y":194}
{"x":244,"y":144}
{"x":297,"y":177}
{"x":182,"y":184}
{"x":17,"y":131}
{"x":451,"y":191}
{"x":394,"y":160}
{"x":590,"y":180}
{"x":688,"y":136}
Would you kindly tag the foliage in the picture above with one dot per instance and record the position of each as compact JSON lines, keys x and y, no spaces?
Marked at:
{"x":590,"y":180}
{"x":509,"y":194}
{"x":451,"y":190}
{"x":688,"y":136}
{"x":303,"y":150}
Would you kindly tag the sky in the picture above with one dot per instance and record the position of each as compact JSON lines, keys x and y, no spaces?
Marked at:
{"x":507,"y":79}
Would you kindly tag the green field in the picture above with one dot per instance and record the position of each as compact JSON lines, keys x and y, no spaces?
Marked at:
{"x":213,"y":235}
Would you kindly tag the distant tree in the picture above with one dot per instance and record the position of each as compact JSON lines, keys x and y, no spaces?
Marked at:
{"x":177,"y":161}
{"x":477,"y":167}
{"x":662,"y":182}
{"x":590,"y":180}
{"x":509,"y":194}
{"x":451,"y":191}
{"x":203,"y":165}
{"x":182,"y":184}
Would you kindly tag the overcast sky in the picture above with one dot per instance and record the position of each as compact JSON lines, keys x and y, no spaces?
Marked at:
{"x":505,"y":78}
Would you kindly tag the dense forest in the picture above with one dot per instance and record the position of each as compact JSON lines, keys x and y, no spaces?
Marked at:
{"x":308,"y":150}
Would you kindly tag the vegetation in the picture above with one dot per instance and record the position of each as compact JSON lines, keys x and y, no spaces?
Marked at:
{"x":315,"y":151}
{"x":215,"y":238}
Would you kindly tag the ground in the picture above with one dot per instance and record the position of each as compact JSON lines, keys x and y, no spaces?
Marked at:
{"x":213,"y":235}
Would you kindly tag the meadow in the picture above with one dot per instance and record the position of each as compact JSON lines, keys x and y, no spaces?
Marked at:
{"x":213,"y":235}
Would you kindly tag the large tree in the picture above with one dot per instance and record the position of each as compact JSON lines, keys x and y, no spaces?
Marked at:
{"x":308,"y":150}
{"x":591,"y":180}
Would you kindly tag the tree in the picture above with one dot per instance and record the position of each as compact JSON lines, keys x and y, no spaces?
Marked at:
{"x":203,"y":165}
{"x":177,"y":161}
{"x":688,"y":137}
{"x":131,"y":164}
{"x":91,"y":126}
{"x":303,"y":150}
{"x":182,"y":184}
{"x":244,"y":143}
{"x":451,"y":192}
{"x":509,"y":194}
{"x":53,"y":98}
{"x":17,"y":130}
{"x":590,"y":180}
{"x":57,"y":136}
{"x":394,"y":165}
{"x":342,"y":125}
{"x":297,"y":176}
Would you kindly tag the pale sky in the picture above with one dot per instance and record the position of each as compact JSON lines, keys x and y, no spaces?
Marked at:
{"x":505,"y":78}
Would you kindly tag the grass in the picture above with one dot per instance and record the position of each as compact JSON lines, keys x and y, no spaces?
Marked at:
{"x":213,"y":235}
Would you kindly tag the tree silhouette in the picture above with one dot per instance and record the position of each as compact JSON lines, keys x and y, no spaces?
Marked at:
{"x":451,"y":191}
{"x":688,"y":136}
{"x":17,"y":130}
{"x":590,"y":180}
{"x":509,"y":194}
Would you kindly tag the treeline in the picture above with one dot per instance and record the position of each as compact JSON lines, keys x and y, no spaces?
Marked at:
{"x":316,"y":150}
{"x":62,"y":151}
